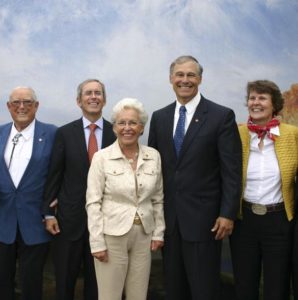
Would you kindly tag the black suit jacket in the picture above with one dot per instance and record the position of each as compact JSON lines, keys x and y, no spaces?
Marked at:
{"x":205,"y":181}
{"x":67,"y":177}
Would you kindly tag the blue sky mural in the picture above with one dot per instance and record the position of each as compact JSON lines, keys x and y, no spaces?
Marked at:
{"x":53,"y":45}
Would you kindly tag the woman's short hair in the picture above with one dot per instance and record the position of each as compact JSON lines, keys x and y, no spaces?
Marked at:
{"x":130,"y":103}
{"x":267,"y":87}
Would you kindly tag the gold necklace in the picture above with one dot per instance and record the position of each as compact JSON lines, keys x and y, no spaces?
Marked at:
{"x":133,"y":159}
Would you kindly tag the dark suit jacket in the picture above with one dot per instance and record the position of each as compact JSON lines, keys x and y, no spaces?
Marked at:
{"x":205,"y":181}
{"x":67,"y":179}
{"x":22,"y":205}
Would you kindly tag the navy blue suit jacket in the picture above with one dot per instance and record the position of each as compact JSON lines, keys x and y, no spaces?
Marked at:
{"x":205,"y":181}
{"x":22,"y":205}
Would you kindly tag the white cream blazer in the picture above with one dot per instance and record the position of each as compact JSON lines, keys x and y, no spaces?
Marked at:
{"x":115,"y":193}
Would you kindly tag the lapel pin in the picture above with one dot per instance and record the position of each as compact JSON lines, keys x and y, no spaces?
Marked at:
{"x":40,"y":139}
{"x":196,"y":120}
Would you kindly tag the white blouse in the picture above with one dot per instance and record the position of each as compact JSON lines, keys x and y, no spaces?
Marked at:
{"x":263,"y":183}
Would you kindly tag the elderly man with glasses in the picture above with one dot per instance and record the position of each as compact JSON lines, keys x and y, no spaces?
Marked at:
{"x":25,"y":149}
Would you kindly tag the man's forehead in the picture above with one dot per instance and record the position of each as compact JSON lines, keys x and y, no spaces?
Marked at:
{"x":186,"y":66}
{"x":92,"y":85}
{"x":22,"y":91}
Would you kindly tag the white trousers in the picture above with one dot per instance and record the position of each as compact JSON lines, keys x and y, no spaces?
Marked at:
{"x":128,"y":267}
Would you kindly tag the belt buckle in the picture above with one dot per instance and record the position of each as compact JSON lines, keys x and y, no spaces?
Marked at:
{"x":259,"y":209}
{"x":137,"y":221}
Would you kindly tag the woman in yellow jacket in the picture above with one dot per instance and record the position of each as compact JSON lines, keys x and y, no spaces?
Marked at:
{"x":262,"y":237}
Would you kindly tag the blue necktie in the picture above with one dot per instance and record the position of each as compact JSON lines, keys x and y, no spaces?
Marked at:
{"x":180,"y":130}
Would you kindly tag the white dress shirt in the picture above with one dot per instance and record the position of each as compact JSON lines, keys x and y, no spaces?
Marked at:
{"x":263,"y":183}
{"x":190,"y":110}
{"x":98,"y":131}
{"x":22,"y":152}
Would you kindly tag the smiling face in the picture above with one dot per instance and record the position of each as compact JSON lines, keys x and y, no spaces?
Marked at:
{"x":185,"y":80}
{"x":92,"y":100}
{"x":128,"y":127}
{"x":260,"y":107}
{"x":22,"y":107}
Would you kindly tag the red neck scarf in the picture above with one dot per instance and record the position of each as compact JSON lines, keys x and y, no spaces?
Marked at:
{"x":262,"y":131}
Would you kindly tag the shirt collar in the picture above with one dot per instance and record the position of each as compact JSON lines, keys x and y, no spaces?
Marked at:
{"x":191,"y":105}
{"x":116,"y":152}
{"x":27,"y":132}
{"x":87,"y":122}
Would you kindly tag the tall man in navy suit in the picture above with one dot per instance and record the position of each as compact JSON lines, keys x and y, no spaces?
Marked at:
{"x":67,"y":184}
{"x":25,"y":148}
{"x":201,"y":160}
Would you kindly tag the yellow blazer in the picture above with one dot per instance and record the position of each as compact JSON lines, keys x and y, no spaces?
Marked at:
{"x":112,"y":201}
{"x":286,"y":149}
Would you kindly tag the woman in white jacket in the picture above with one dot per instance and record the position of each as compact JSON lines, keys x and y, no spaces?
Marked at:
{"x":125,"y":207}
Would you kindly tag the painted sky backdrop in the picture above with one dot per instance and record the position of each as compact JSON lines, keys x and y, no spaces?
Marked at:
{"x":54,"y":45}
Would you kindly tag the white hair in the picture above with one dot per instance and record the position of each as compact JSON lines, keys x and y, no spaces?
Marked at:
{"x":130,"y":103}
{"x":26,"y":88}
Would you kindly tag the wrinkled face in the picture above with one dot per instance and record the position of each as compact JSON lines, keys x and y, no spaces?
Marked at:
{"x":260,"y":107}
{"x":92,"y":100}
{"x":185,"y":81}
{"x":128,"y":127}
{"x":22,"y":107}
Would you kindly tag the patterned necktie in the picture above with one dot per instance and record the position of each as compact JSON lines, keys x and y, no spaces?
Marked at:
{"x":15,"y":140}
{"x":180,"y":130}
{"x":92,"y":144}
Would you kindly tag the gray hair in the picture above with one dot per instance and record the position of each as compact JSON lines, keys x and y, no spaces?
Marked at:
{"x":183,"y":59}
{"x":33,"y":94}
{"x":82,"y":84}
{"x":130,"y":103}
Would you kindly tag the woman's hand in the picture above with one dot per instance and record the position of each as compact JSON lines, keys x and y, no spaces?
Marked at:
{"x":155,"y":245}
{"x":102,"y":256}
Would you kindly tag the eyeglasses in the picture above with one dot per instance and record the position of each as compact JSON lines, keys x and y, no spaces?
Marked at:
{"x":25,"y":102}
{"x":131,"y":124}
{"x":90,"y":93}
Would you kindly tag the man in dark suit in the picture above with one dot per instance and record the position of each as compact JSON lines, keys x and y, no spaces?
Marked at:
{"x":67,"y":184}
{"x":201,"y":161}
{"x":25,"y":149}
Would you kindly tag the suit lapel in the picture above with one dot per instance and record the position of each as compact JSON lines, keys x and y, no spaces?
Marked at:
{"x":108,"y":136}
{"x":168,"y":128}
{"x":79,"y":136}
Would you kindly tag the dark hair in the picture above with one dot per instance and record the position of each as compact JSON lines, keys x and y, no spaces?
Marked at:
{"x":183,"y":59}
{"x":267,"y":87}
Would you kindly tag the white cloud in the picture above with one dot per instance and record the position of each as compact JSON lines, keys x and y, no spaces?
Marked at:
{"x":130,"y":45}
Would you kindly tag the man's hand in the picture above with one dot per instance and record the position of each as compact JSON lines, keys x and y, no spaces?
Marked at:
{"x":102,"y":256}
{"x":222,"y":227}
{"x":52,"y":226}
{"x":155,"y":245}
